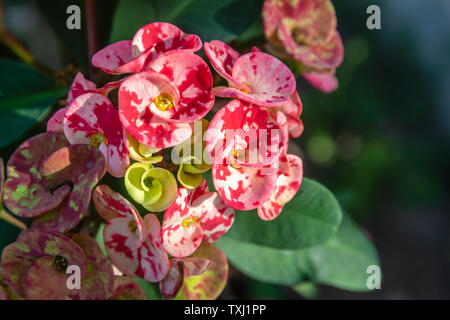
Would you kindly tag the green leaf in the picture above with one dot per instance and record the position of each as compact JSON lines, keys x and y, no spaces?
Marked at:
{"x":26,"y":96}
{"x":151,"y":289}
{"x":341,"y":262}
{"x":99,"y":238}
{"x":310,"y":218}
{"x":8,"y":234}
{"x":224,"y":20}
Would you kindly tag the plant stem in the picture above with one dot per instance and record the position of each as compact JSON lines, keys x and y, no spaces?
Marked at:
{"x":10,"y":219}
{"x":92,"y":34}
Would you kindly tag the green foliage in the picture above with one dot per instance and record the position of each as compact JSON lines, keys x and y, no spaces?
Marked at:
{"x":8,"y":234}
{"x":151,"y":289}
{"x":224,"y":20}
{"x":341,"y":261}
{"x":310,"y":218}
{"x":26,"y":96}
{"x":74,"y":42}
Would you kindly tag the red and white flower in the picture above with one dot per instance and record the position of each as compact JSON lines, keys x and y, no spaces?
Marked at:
{"x":195,"y":215}
{"x":245,"y":143}
{"x":134,"y":245}
{"x":92,"y":119}
{"x":223,"y":58}
{"x":157,"y":106}
{"x":150,"y":41}
{"x":80,"y":85}
{"x":255,"y":77}
{"x":307,"y":31}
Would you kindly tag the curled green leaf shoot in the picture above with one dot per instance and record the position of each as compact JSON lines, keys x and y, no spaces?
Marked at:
{"x":154,"y":188}
{"x":190,"y":172}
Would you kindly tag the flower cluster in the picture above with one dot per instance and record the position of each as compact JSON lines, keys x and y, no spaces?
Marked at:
{"x":149,"y":128}
{"x":305,"y":31}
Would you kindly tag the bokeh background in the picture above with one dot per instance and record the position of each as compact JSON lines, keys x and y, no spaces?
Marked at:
{"x":380,"y":142}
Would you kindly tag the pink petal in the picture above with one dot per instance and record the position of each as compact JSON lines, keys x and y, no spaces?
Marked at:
{"x":292,"y":110}
{"x":192,"y":266}
{"x":320,"y":55}
{"x":325,"y":82}
{"x":56,"y":122}
{"x":243,"y":188}
{"x":194,"y":214}
{"x":287,"y":185}
{"x":110,"y":204}
{"x":295,"y":127}
{"x":117,"y":58}
{"x":239,"y":124}
{"x":270,"y":81}
{"x":147,"y":260}
{"x":80,"y":85}
{"x":92,"y":114}
{"x":314,"y":18}
{"x":154,"y":263}
{"x":161,"y":37}
{"x":136,"y":95}
{"x":214,"y":215}
{"x":193,"y":79}
{"x":222,"y":58}
{"x":181,"y":237}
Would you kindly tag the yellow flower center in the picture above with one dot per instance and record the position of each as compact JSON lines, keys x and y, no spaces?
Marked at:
{"x":97,"y":139}
{"x":245,"y":83}
{"x":189,"y":221}
{"x":132,"y":225}
{"x":164,"y":102}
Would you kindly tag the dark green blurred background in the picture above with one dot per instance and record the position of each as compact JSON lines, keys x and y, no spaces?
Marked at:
{"x":380,"y":142}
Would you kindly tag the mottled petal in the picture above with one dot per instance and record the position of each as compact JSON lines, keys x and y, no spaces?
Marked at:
{"x":117,"y":58}
{"x":209,"y":284}
{"x":161,"y":37}
{"x":136,"y":95}
{"x":214,"y":215}
{"x":193,"y":79}
{"x":242,"y":126}
{"x":92,"y":119}
{"x":84,"y":168}
{"x":154,"y":262}
{"x":181,"y":237}
{"x":222,"y":58}
{"x":39,"y":181}
{"x":147,"y":260}
{"x":181,"y":268}
{"x":56,"y":122}
{"x":126,"y":289}
{"x":243,"y":188}
{"x":287,"y":186}
{"x":25,"y":193}
{"x":33,"y":245}
{"x":325,"y":82}
{"x":80,"y":85}
{"x":320,"y":55}
{"x":270,"y":81}
{"x":110,"y":204}
{"x":314,"y":19}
